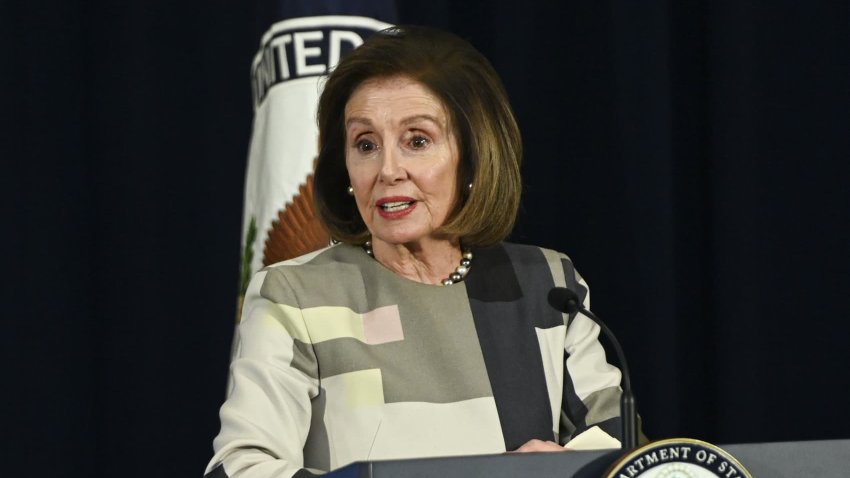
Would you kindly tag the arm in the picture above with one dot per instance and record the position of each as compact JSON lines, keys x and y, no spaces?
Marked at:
{"x":589,"y":374}
{"x":591,"y":385}
{"x":266,"y":417}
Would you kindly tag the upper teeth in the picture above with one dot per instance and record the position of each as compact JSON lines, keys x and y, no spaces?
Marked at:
{"x":394,"y":205}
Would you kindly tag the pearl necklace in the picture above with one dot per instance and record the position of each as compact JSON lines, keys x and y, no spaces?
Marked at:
{"x":458,"y":275}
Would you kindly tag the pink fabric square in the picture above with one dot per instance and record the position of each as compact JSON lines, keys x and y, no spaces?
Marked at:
{"x":382,"y":325}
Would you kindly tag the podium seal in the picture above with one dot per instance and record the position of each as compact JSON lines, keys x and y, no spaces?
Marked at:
{"x":678,"y":458}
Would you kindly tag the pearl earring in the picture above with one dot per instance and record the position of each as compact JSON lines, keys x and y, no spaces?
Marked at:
{"x":351,"y":190}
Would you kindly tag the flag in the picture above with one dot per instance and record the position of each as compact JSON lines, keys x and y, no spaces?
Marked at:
{"x":303,"y":40}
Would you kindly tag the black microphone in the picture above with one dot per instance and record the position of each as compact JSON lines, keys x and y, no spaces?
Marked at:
{"x":565,"y":300}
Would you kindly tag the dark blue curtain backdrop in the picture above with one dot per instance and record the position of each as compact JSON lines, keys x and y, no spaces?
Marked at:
{"x":692,"y":157}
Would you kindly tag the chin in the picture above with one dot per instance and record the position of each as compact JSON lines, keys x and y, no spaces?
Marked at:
{"x":399,"y":237}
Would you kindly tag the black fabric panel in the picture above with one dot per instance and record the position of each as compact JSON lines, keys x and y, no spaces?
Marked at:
{"x":492,"y":277}
{"x":573,"y":407}
{"x":302,"y":473}
{"x":576,"y":412}
{"x":507,"y":302}
{"x":534,"y":276}
{"x":217,"y":472}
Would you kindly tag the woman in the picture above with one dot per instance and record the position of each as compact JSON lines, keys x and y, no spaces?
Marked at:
{"x":421,"y":333}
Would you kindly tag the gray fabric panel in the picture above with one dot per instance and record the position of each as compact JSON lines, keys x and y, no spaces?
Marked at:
{"x":597,"y":411}
{"x":430,"y":315}
{"x":304,"y":360}
{"x":276,"y":289}
{"x":317,"y":452}
{"x":408,"y":373}
{"x":572,"y":277}
{"x":332,"y":278}
{"x":578,"y":416}
{"x":567,"y":429}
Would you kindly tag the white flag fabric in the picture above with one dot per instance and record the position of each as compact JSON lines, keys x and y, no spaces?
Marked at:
{"x":295,"y":53}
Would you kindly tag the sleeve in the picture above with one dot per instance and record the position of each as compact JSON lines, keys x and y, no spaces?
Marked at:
{"x":591,"y":385}
{"x":265,"y":419}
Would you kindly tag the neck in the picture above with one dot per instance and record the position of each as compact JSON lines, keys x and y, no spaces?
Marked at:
{"x":428,"y":263}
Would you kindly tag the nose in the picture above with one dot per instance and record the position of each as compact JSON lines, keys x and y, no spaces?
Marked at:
{"x":392,"y":170}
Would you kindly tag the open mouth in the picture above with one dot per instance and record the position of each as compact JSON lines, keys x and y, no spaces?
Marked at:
{"x":394,"y":206}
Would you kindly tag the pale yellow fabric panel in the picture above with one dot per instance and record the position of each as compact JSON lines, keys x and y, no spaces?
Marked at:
{"x":321,"y":324}
{"x":363,"y":426}
{"x":461,"y":428}
{"x":355,"y":402}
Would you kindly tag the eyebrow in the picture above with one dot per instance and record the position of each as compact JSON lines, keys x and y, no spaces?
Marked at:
{"x":404,"y":122}
{"x":417,"y":118}
{"x":356,"y":119}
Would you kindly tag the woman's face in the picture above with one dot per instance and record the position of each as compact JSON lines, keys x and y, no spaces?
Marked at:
{"x":402,"y":159}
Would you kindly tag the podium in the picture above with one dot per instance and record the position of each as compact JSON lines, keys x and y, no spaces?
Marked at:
{"x":818,"y":458}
